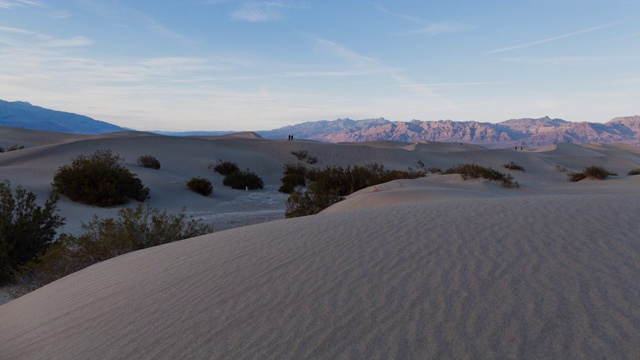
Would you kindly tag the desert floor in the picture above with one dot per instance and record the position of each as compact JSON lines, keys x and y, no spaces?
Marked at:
{"x":434,"y":267}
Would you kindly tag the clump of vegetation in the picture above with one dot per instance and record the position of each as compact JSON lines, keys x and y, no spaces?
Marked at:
{"x":312,"y":160}
{"x":474,"y":171}
{"x":243,"y":180}
{"x":434,"y":170}
{"x":331,"y":184}
{"x":99,"y":179}
{"x":149,"y":161}
{"x":634,"y":172}
{"x":293,"y":176}
{"x":560,"y":168}
{"x":511,"y":165}
{"x":11,"y":148}
{"x":593,"y":172}
{"x":421,"y":164}
{"x":101,"y":239}
{"x":200,"y":185}
{"x":26,"y":229}
{"x":300,"y":154}
{"x":226,"y":167}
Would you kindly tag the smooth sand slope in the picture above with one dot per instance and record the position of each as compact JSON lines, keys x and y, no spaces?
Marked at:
{"x":427,"y":268}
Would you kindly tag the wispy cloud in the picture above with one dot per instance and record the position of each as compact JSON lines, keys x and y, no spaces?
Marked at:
{"x":440,"y":28}
{"x":569,"y":60}
{"x":551,"y":39}
{"x":43,"y":39}
{"x":8,"y":4}
{"x":259,"y":11}
{"x":458,"y":84}
{"x":400,"y":16}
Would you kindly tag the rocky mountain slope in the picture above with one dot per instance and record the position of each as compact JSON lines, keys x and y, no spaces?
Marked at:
{"x":515,"y":132}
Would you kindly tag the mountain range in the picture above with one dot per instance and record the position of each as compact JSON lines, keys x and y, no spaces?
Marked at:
{"x":516,"y":132}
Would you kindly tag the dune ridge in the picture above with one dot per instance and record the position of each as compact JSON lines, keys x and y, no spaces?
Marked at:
{"x":434,"y":267}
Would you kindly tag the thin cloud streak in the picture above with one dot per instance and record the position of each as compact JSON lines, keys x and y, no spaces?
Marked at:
{"x":551,"y":39}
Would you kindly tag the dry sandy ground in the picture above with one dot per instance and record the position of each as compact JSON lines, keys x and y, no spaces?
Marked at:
{"x":419,"y":269}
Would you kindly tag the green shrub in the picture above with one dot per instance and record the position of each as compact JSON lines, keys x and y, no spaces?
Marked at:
{"x":98,"y":179}
{"x":149,"y":161}
{"x":201,"y":186}
{"x":241,"y":180}
{"x":333,"y":183}
{"x":513,"y":166}
{"x":102,"y":239}
{"x":593,"y":171}
{"x":300,"y":154}
{"x":474,"y":171}
{"x":26,"y":229}
{"x":634,"y":172}
{"x":226,"y":167}
{"x":294,"y":175}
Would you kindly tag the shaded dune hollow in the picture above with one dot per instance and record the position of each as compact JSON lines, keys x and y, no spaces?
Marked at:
{"x":531,"y":277}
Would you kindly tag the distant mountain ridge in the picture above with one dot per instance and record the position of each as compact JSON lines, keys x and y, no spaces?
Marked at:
{"x":24,"y":115}
{"x":515,"y":132}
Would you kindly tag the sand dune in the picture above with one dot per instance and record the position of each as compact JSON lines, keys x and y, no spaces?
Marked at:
{"x":427,"y":268}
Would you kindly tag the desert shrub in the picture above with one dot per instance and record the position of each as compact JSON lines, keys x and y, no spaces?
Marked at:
{"x":101,"y":239}
{"x":312,"y":160}
{"x":513,"y":166}
{"x":300,"y":154}
{"x":598,"y":172}
{"x":293,"y":176}
{"x":575,"y":176}
{"x":242,"y":180}
{"x":26,"y":229}
{"x":226,"y":167}
{"x":99,"y":179}
{"x":634,"y":172}
{"x":149,"y":161}
{"x":593,"y":171}
{"x":560,"y":168}
{"x":15,"y":147}
{"x":474,"y":171}
{"x":434,"y":170}
{"x":333,"y":183}
{"x":201,"y":186}
{"x":421,"y":164}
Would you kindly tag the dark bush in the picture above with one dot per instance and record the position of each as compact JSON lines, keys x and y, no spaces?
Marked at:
{"x":99,"y":179}
{"x":593,"y":171}
{"x":201,"y":186}
{"x":513,"y":166}
{"x":226,"y":167}
{"x":634,"y":172}
{"x":474,"y":171}
{"x":149,"y":161}
{"x":242,"y":180}
{"x":434,"y":170}
{"x":102,"y":239}
{"x":294,"y":175}
{"x":312,"y":160}
{"x":333,"y":183}
{"x":26,"y":229}
{"x":300,"y":154}
{"x":15,"y":147}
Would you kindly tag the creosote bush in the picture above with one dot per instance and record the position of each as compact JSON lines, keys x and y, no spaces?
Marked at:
{"x":26,"y":229}
{"x":293,"y":176}
{"x":331,"y":184}
{"x":243,"y":180}
{"x":99,"y":179}
{"x":511,"y":165}
{"x":634,"y":172}
{"x":101,"y":239}
{"x":12,"y":148}
{"x":201,"y":186}
{"x":226,"y":167}
{"x":474,"y":171}
{"x":300,"y":154}
{"x":149,"y":161}
{"x":593,"y":172}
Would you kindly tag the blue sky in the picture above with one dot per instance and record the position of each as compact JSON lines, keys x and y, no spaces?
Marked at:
{"x":256,"y":65}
